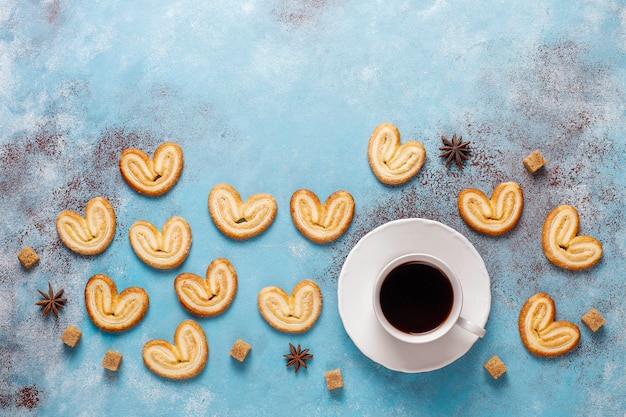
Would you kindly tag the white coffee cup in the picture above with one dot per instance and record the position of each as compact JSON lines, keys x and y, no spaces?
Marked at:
{"x":420,"y":291}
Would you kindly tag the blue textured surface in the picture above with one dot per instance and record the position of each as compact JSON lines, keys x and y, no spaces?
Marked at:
{"x":278,"y":95}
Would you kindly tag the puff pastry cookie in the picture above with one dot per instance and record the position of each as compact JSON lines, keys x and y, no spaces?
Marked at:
{"x":238,"y":219}
{"x":93,"y":233}
{"x":183,"y":359}
{"x":561,"y":244}
{"x":112,"y":311}
{"x":291,"y":313}
{"x":152,"y":176}
{"x":211,"y":295}
{"x":540,"y":333}
{"x":495,"y":215}
{"x":321,"y":222}
{"x":391,"y":162}
{"x":166,"y":249}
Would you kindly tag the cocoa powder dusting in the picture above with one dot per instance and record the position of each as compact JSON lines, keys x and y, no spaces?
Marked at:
{"x":27,"y":397}
{"x":298,"y":14}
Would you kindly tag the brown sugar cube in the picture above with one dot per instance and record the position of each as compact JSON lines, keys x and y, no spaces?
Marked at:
{"x":112,"y":360}
{"x":28,"y":257}
{"x":71,"y":335}
{"x":495,"y":367}
{"x":534,"y":161}
{"x":240,"y":350}
{"x":593,"y":319}
{"x":333,"y":379}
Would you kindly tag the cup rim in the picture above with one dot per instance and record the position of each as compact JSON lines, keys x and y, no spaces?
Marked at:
{"x":443,"y":328}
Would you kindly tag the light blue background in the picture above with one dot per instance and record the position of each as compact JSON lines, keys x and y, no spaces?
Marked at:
{"x":272,"y":96}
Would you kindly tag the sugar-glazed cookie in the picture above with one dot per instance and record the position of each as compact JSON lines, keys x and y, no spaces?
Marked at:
{"x":112,"y":311}
{"x":321,"y":222}
{"x":152,"y":176}
{"x":93,"y":233}
{"x":166,"y":249}
{"x":561,"y":243}
{"x":211,"y":295}
{"x":495,"y":215}
{"x":540,"y":333}
{"x":238,"y":219}
{"x":392,"y":162}
{"x":291,"y":313}
{"x":183,"y":359}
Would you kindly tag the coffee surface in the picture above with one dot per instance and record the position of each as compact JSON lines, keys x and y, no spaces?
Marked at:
{"x":416,"y":297}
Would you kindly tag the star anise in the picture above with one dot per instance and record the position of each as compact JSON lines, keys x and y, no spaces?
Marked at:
{"x":297,"y":357}
{"x":455,"y":150}
{"x":51,"y":302}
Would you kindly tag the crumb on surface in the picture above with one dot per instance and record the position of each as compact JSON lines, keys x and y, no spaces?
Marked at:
{"x":112,"y":360}
{"x":240,"y":350}
{"x":71,"y":335}
{"x":334,"y":379}
{"x":495,"y":366}
{"x":593,"y":319}
{"x":28,"y":257}
{"x":534,"y":162}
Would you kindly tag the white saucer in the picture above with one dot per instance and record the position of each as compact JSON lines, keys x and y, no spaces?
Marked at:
{"x":381,"y":246}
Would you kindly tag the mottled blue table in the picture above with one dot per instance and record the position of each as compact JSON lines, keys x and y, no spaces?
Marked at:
{"x":279,"y":95}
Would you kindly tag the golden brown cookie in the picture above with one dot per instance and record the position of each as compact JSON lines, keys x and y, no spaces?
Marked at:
{"x":291,"y":313}
{"x":495,"y":215}
{"x":112,"y":311}
{"x":166,"y":249}
{"x":561,"y":243}
{"x":392,"y":162}
{"x":211,"y":295}
{"x":93,"y":233}
{"x":237,"y":219}
{"x":183,"y":359}
{"x":540,"y":333}
{"x":321,"y":222}
{"x":152,"y":176}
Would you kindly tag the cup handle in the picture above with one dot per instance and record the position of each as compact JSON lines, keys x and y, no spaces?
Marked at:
{"x":471,"y":327}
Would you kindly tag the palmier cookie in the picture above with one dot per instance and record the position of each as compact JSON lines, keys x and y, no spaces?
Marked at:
{"x":321,"y":222}
{"x":493,"y":216}
{"x":112,"y":311}
{"x":540,"y":333}
{"x":561,"y":244}
{"x":166,"y":249}
{"x":183,"y":359}
{"x":391,"y":162}
{"x":93,"y":233}
{"x":211,"y":295}
{"x":152,"y":176}
{"x":237,"y":219}
{"x":291,"y":313}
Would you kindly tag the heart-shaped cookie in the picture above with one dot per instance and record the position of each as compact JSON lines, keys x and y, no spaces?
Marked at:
{"x":237,"y":219}
{"x":152,"y":176}
{"x":210,"y":296}
{"x":321,"y":223}
{"x":392,"y":162}
{"x":561,"y":244}
{"x":93,"y":233}
{"x":540,"y":333}
{"x":166,"y":249}
{"x":184,"y":359}
{"x":495,"y":215}
{"x":291,"y":313}
{"x":112,"y":311}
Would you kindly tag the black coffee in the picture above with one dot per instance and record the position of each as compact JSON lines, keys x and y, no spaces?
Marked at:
{"x":416,"y":297}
